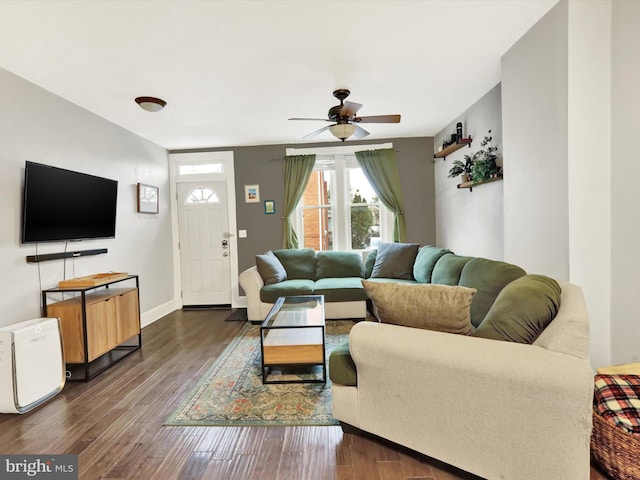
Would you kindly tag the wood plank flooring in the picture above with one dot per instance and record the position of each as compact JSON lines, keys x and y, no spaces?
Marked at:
{"x":114,"y":424}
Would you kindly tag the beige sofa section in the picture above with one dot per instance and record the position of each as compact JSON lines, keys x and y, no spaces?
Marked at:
{"x":497,"y":409}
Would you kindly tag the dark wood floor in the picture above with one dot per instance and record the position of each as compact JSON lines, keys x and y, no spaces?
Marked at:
{"x":114,"y":424}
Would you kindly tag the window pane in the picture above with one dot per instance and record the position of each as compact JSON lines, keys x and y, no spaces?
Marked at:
{"x":365,"y":225}
{"x":202,"y":195}
{"x":317,"y":191}
{"x":199,"y":168}
{"x":359,"y":183}
{"x":318,"y":231}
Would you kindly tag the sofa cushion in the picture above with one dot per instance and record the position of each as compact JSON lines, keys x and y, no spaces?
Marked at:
{"x":370,"y":262}
{"x":391,"y":280}
{"x":299,"y":263}
{"x":270,"y":268}
{"x":448,"y":269}
{"x":395,"y":260}
{"x":348,"y":289}
{"x":270,"y":293}
{"x":338,"y":264}
{"x":422,"y":305}
{"x":489,"y":277}
{"x":522,"y":310}
{"x":342,"y":370}
{"x":425,"y":261}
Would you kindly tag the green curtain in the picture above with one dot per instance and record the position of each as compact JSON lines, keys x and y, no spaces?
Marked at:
{"x":381,"y":169}
{"x":297,"y":170}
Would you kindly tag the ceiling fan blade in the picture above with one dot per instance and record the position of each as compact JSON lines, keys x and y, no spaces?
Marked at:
{"x":349,"y":109}
{"x":315,"y":119}
{"x":317,"y":132}
{"x":359,"y":132}
{"x":378,"y":119}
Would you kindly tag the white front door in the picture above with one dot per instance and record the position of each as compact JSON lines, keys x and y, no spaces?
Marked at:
{"x":204,"y":243}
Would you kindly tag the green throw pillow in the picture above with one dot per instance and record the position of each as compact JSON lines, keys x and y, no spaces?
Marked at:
{"x":270,"y":268}
{"x":300,"y":264}
{"x":331,"y":264}
{"x":523,"y":309}
{"x":395,"y":260}
{"x":426,"y":261}
{"x":422,"y":305}
{"x":369,"y":263}
{"x":489,"y":277}
{"x":448,"y":269}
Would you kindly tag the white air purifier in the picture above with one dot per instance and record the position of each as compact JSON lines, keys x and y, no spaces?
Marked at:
{"x":32,"y":368}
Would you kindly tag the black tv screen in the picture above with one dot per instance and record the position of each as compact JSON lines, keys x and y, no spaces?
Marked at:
{"x":63,"y":205}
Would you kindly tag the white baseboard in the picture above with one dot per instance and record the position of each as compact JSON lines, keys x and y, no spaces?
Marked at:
{"x":150,"y":316}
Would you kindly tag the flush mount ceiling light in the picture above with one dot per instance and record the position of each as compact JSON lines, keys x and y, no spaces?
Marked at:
{"x":151,"y":104}
{"x":342,"y":131}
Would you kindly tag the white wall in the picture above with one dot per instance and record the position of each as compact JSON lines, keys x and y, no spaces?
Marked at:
{"x":534,"y":115}
{"x":625,"y":219}
{"x":589,"y":161}
{"x":471,"y":223}
{"x":38,"y":126}
{"x":557,"y":125}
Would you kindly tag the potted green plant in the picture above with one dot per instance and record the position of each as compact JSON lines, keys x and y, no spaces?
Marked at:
{"x":462,"y":168}
{"x":483,"y":162}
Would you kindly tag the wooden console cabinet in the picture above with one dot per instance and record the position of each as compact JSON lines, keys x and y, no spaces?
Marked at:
{"x":100,"y":325}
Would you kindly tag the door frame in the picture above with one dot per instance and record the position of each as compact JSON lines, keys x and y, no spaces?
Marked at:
{"x":226,"y":159}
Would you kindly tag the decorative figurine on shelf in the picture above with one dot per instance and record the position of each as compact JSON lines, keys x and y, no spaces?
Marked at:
{"x":459,"y":130}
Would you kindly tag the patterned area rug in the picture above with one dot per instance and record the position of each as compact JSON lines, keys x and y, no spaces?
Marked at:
{"x":231,"y":393}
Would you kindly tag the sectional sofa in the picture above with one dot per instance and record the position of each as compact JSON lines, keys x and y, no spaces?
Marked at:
{"x":511,"y":398}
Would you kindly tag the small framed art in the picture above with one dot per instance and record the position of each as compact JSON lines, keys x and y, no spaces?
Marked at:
{"x":269,"y":207}
{"x":147,"y":198}
{"x":252,"y":193}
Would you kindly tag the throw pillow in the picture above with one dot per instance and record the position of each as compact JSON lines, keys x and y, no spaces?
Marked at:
{"x":522,"y":310}
{"x":332,"y":264}
{"x":270,"y":268}
{"x":395,"y":260}
{"x":425,"y":261}
{"x":300,"y":263}
{"x":434,"y":307}
{"x":369,"y":263}
{"x":489,"y":277}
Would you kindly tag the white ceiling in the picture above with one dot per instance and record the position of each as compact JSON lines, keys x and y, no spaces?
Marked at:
{"x":233,"y":72}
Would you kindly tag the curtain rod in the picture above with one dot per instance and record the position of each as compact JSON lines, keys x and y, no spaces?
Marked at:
{"x":271,"y":159}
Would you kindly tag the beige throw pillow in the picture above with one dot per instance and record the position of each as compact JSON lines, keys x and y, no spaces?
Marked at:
{"x":434,"y":307}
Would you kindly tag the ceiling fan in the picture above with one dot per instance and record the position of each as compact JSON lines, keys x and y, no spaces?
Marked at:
{"x":345,"y":121}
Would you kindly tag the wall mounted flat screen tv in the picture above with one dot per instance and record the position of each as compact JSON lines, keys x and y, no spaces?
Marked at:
{"x":64,"y":205}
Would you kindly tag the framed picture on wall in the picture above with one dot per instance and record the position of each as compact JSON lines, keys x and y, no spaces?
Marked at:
{"x":252,"y":193}
{"x":269,"y":206}
{"x":147,"y":198}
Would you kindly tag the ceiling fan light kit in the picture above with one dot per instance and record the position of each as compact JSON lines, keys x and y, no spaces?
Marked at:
{"x":342,"y":131}
{"x":344,"y":116}
{"x":151,"y":104}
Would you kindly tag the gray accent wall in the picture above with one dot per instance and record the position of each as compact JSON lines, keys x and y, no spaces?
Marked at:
{"x":262,"y":165}
{"x":471,"y":222}
{"x":39,"y":126}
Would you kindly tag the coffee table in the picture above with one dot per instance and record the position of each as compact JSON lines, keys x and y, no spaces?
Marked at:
{"x":293,"y":335}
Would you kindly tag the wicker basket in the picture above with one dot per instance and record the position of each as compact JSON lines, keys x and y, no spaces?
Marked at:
{"x":616,"y":450}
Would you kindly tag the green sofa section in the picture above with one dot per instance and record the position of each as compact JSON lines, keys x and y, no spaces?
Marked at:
{"x":509,"y":305}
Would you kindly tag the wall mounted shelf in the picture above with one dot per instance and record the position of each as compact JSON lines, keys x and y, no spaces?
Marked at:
{"x":452,"y":148}
{"x":470,"y":185}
